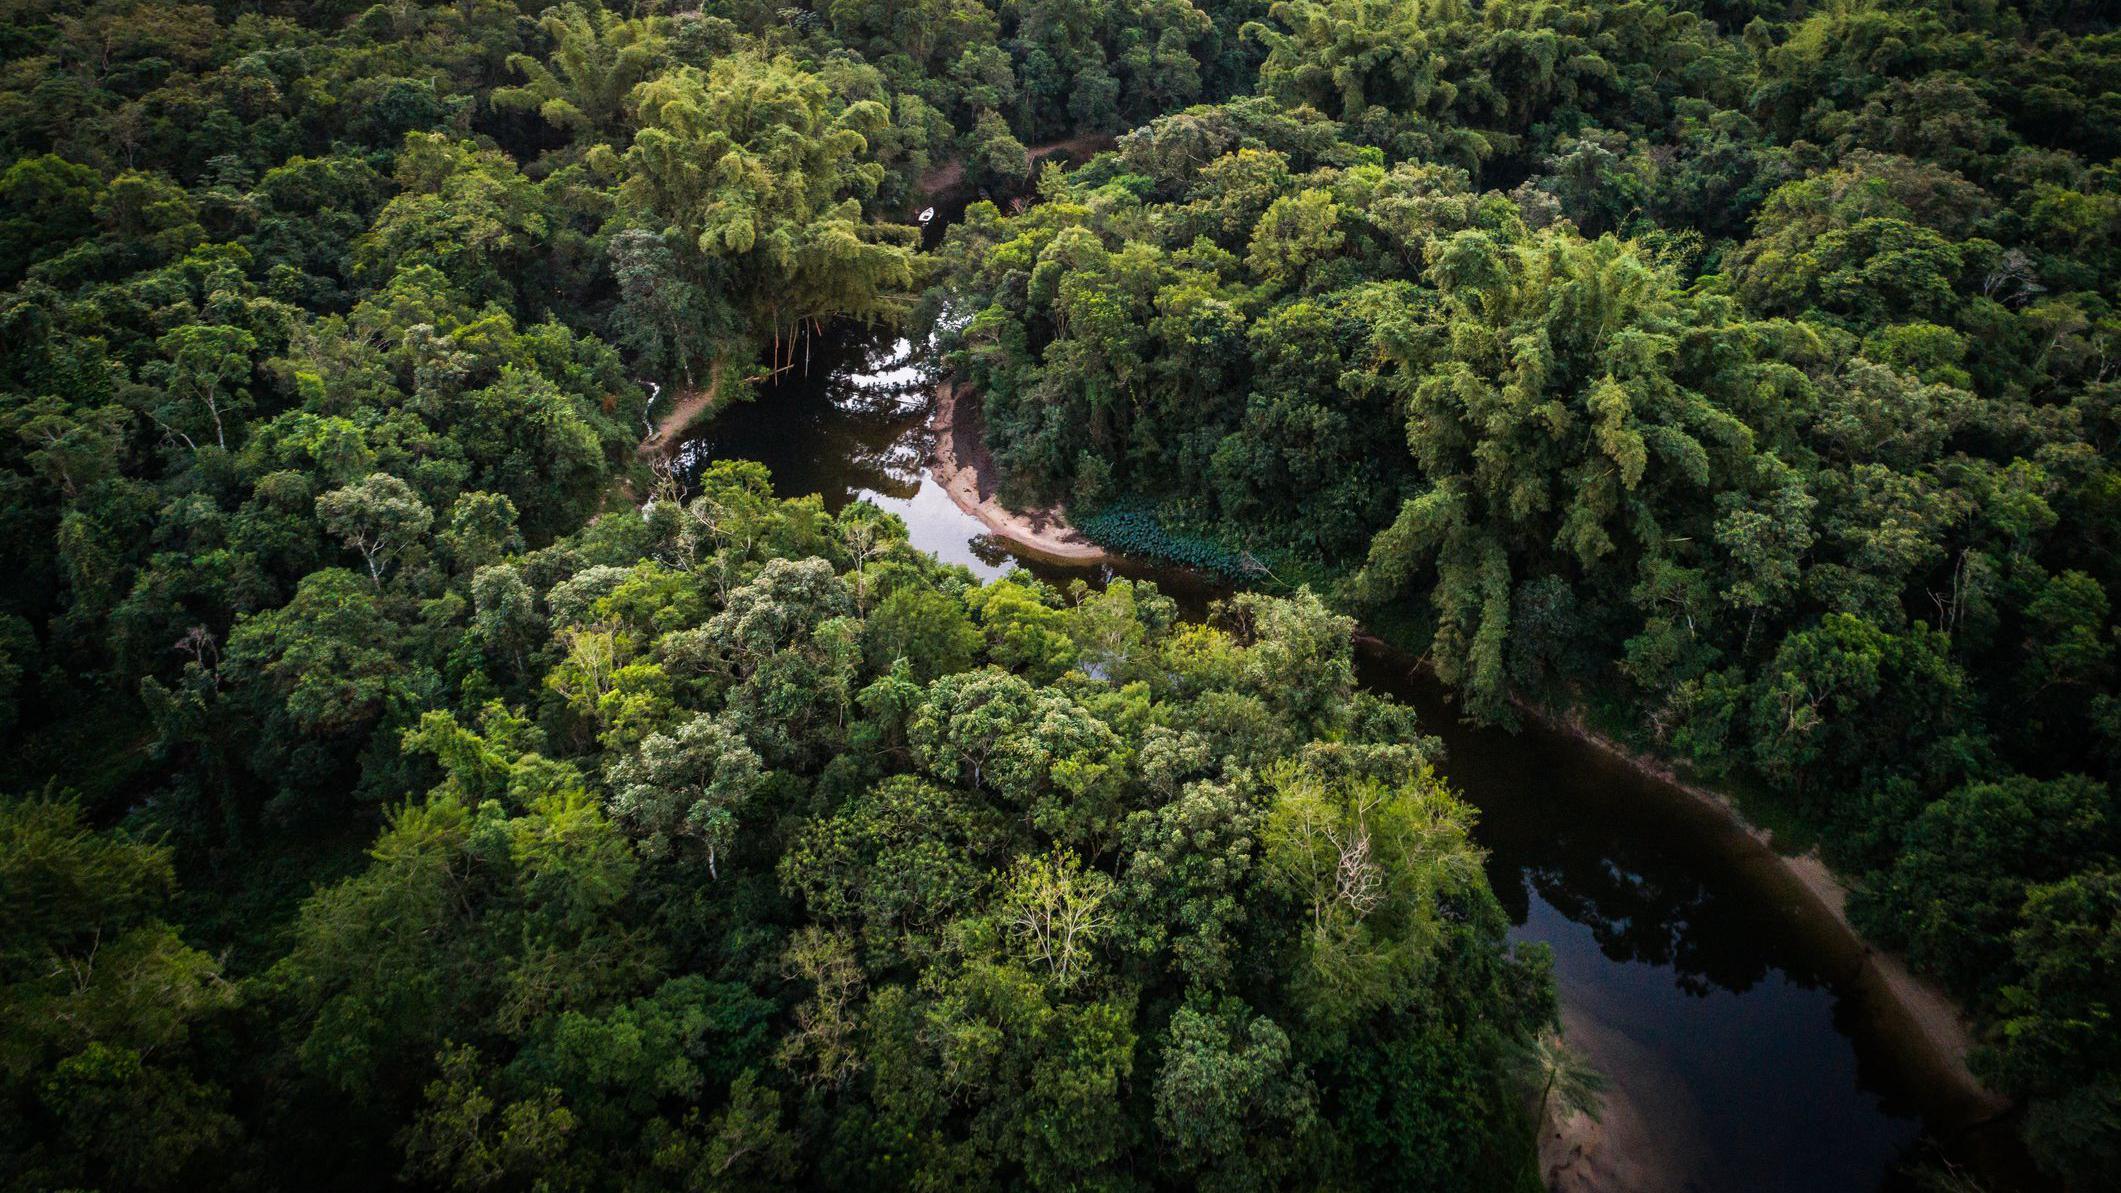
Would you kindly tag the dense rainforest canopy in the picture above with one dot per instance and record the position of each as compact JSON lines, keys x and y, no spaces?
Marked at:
{"x":389,"y":797}
{"x":1747,"y":374}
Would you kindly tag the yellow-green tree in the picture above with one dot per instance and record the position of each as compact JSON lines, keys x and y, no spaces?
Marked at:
{"x":759,"y":171}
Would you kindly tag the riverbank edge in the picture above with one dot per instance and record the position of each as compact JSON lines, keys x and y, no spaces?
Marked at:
{"x":690,"y":407}
{"x":687,"y":407}
{"x":958,"y":460}
{"x":1936,"y":1019}
{"x":960,"y":463}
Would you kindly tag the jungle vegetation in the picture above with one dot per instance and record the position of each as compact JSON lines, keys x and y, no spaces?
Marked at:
{"x":390,"y":797}
{"x":1743,"y":374}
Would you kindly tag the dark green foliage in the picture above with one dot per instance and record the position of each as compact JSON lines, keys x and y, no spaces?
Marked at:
{"x":607,"y":934}
{"x":2058,"y":1043}
{"x":104,"y":1080}
{"x":1740,"y":370}
{"x":727,"y":844}
{"x":1135,"y":528}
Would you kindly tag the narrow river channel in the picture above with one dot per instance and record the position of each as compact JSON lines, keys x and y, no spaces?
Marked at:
{"x":1730,"y":1014}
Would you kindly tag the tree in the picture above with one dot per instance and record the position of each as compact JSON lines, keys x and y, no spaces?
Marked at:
{"x":1562,"y":1077}
{"x":1539,"y":435}
{"x":1024,"y":630}
{"x":71,"y":448}
{"x":1365,"y":863}
{"x":1189,"y":868}
{"x":1300,"y":655}
{"x":467,"y":213}
{"x":482,"y":530}
{"x":2053,"y":1045}
{"x":596,"y":61}
{"x":1230,"y":1101}
{"x":900,"y":861}
{"x":999,"y":156}
{"x":760,"y":174}
{"x":823,"y":1047}
{"x":328,"y":658}
{"x":1955,"y":893}
{"x":685,"y":787}
{"x":1054,"y":913}
{"x":1037,"y":751}
{"x":929,"y":629}
{"x":743,"y":1145}
{"x":1343,"y":61}
{"x":203,"y":371}
{"x":1297,"y":232}
{"x":379,"y":517}
{"x":666,"y":320}
{"x":48,"y":203}
{"x":460,"y":1142}
{"x":100,"y":998}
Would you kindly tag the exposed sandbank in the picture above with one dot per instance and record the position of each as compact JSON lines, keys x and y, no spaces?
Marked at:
{"x":960,"y":464}
{"x":1933,"y":1031}
{"x":686,"y":407}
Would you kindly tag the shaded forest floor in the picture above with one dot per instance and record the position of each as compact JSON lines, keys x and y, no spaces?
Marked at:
{"x":686,"y":407}
{"x":950,"y":176}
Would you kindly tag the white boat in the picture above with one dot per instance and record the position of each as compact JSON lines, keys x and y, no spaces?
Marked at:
{"x":927,"y":215}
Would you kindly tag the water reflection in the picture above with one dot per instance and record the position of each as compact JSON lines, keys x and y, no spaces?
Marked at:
{"x":854,"y":427}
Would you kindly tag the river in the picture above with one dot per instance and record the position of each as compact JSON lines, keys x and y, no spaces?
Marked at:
{"x":1745,"y":1045}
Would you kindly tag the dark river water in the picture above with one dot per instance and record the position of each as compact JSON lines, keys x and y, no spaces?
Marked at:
{"x":1731,"y":1015}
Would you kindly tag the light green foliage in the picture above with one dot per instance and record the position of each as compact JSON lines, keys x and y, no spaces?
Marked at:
{"x":994,"y":882}
{"x":1567,"y":1083}
{"x":1297,"y":232}
{"x":928,"y":629}
{"x":1054,"y":915}
{"x":585,"y":82}
{"x":762,"y":170}
{"x":378,"y":518}
{"x":1034,"y":748}
{"x":1297,"y":657}
{"x":685,"y":787}
{"x":1024,"y":628}
{"x":465,"y":212}
{"x":1190,"y":863}
{"x":1371,"y":866}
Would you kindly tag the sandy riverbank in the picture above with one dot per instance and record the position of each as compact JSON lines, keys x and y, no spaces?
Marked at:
{"x":960,"y":464}
{"x":685,"y":407}
{"x":1647,"y":1137}
{"x":1636,"y":1145}
{"x":1936,"y":1030}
